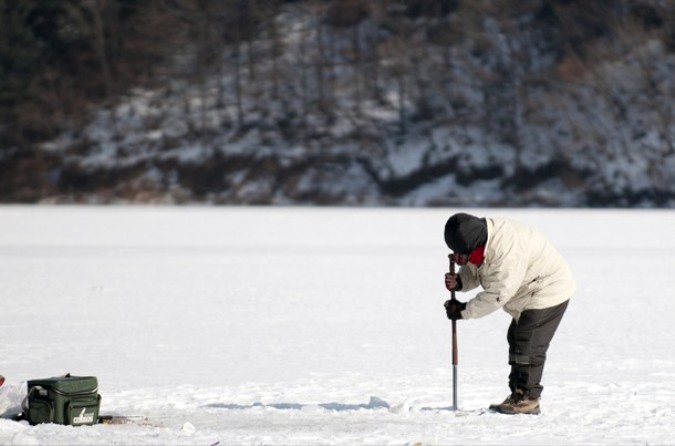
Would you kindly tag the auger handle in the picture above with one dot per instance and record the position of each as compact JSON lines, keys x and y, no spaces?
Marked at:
{"x":455,"y":356}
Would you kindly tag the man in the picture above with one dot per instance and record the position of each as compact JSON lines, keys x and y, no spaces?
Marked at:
{"x":521,"y":272}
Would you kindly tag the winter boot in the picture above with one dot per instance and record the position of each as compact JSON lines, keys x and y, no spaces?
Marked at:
{"x":518,"y":403}
{"x":509,"y":400}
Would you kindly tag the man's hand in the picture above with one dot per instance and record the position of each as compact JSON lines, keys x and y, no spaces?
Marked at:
{"x":454,"y":308}
{"x":453,"y":282}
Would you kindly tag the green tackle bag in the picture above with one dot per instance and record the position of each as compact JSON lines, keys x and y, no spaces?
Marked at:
{"x":69,"y":400}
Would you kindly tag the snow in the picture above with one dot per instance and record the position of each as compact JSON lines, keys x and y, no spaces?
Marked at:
{"x":324,"y":326}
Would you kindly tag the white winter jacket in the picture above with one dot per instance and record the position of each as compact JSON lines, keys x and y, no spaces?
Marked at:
{"x":521,"y":271}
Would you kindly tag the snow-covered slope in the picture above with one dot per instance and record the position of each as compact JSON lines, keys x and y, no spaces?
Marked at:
{"x":306,"y":326}
{"x":496,"y":118}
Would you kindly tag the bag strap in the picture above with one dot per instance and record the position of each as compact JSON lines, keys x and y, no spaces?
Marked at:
{"x":25,"y":404}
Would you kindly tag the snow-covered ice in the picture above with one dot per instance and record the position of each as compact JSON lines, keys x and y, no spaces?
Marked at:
{"x":325,"y":326}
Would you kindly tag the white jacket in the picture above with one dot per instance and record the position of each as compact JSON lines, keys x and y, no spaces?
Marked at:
{"x":521,"y":271}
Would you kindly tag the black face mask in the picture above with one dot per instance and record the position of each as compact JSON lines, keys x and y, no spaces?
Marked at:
{"x":461,"y":259}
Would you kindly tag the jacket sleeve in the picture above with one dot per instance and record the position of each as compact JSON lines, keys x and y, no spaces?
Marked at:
{"x":469,"y":277}
{"x":500,"y":283}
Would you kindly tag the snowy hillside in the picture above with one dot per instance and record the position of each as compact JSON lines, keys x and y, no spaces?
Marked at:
{"x":448,"y":110}
{"x":304,"y":326}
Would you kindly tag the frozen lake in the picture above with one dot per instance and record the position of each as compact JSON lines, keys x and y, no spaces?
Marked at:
{"x":325,"y":326}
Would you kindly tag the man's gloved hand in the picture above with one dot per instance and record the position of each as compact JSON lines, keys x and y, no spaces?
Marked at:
{"x":453,"y":282}
{"x":454,"y":308}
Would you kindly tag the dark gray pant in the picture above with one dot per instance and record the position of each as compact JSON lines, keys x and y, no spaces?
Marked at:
{"x":529,"y":339}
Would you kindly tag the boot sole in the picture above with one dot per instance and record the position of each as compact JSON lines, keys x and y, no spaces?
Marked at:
{"x":505,"y":411}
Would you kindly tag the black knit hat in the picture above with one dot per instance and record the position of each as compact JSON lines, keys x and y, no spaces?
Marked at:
{"x":464,"y":233}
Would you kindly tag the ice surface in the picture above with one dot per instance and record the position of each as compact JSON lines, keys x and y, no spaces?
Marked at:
{"x":325,"y":326}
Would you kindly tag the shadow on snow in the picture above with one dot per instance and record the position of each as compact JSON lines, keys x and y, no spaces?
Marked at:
{"x":374,"y":403}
